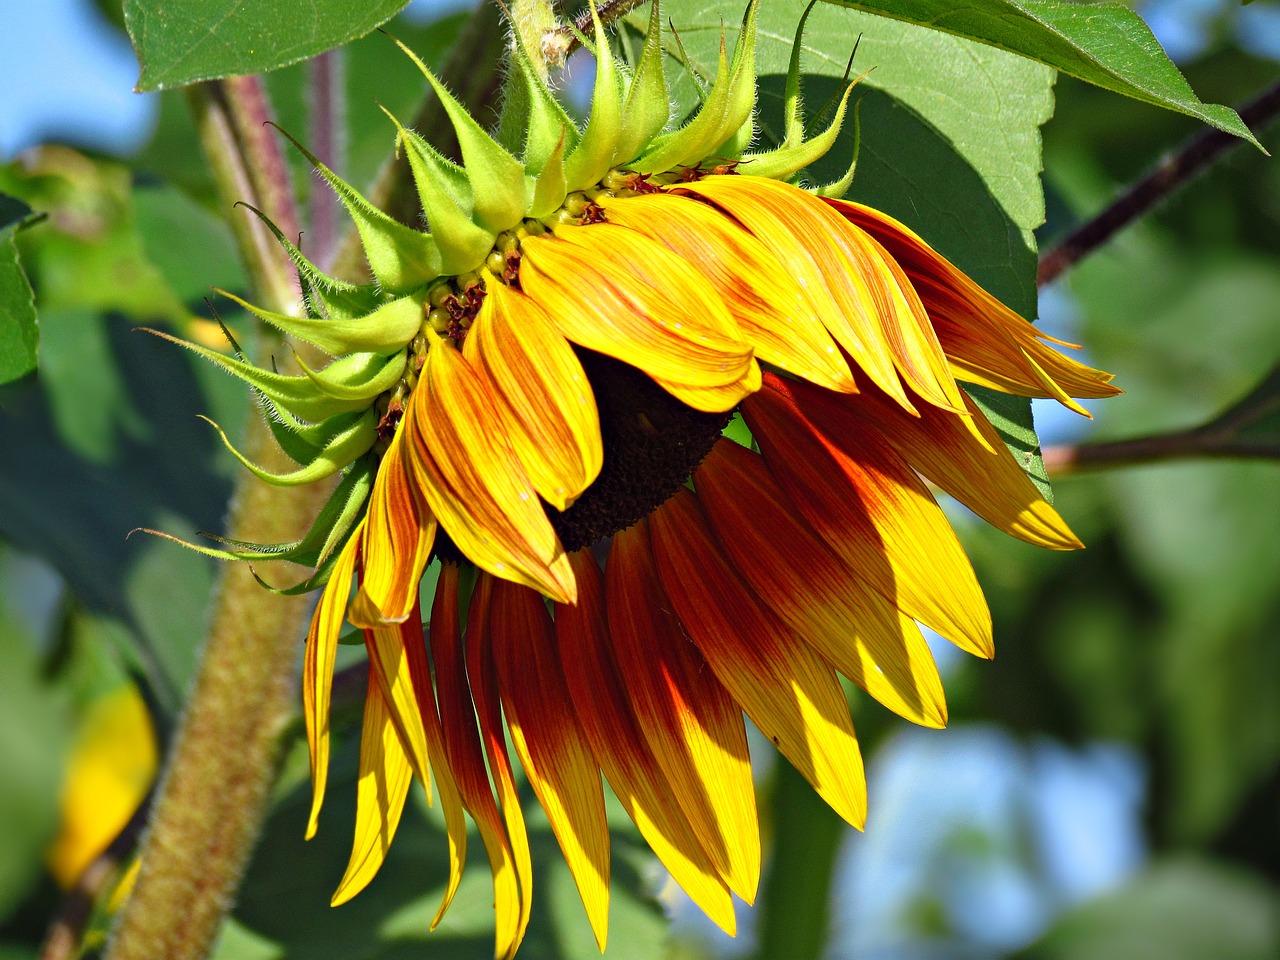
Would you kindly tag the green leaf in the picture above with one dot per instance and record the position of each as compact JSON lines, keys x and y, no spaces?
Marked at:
{"x":1106,"y":44}
{"x":1011,"y":416}
{"x":18,"y":331}
{"x":950,"y":142}
{"x":183,"y":41}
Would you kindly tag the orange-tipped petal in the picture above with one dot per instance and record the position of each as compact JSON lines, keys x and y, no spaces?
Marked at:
{"x":482,"y":681}
{"x":542,"y":720}
{"x":554,"y":428}
{"x":691,"y":723}
{"x":385,"y":776}
{"x":317,"y":670}
{"x":771,"y":309}
{"x":621,"y":748}
{"x":465,"y":757}
{"x":399,"y":532}
{"x":788,"y":690}
{"x":874,"y":513}
{"x":826,"y":602}
{"x":621,"y":294}
{"x":986,"y":342}
{"x":810,"y":241}
{"x":472,"y":481}
{"x":962,"y":455}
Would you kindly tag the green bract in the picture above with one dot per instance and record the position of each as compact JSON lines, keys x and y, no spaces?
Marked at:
{"x":537,"y":167}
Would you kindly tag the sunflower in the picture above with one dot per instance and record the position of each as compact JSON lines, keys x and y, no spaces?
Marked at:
{"x":543,"y":383}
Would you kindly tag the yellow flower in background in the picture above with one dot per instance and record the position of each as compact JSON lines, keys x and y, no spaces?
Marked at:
{"x":111,"y":767}
{"x":544,"y":379}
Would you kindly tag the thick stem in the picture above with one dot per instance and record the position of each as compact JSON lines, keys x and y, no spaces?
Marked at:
{"x":213,"y":796}
{"x":1169,"y":175}
{"x":326,"y":108}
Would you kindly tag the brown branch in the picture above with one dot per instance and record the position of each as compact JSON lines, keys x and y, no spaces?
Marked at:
{"x":1222,"y":438}
{"x":326,"y":111}
{"x":568,"y":36}
{"x":1169,"y":175}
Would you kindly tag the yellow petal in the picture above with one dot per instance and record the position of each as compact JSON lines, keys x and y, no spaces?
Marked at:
{"x":615,"y":292}
{"x":544,"y":729}
{"x":826,"y":602}
{"x":770,"y":307}
{"x":399,"y":532}
{"x":317,"y":669}
{"x":986,"y":342}
{"x":466,"y":759}
{"x":809,"y":240}
{"x":788,"y":690}
{"x":473,"y":483}
{"x":874,"y":513}
{"x":621,"y":749}
{"x":482,"y":678}
{"x":690,"y":722}
{"x":385,"y":776}
{"x":962,"y":455}
{"x":554,"y":428}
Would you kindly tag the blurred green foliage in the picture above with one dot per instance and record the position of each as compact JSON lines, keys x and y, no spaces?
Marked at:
{"x":1164,"y":634}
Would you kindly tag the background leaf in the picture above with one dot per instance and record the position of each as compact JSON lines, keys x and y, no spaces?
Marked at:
{"x":184,"y":41}
{"x":18,"y":332}
{"x":1103,"y":43}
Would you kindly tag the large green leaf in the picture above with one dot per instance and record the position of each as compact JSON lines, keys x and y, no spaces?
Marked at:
{"x":1106,"y":44}
{"x":184,"y":41}
{"x":950,"y":144}
{"x":18,"y":332}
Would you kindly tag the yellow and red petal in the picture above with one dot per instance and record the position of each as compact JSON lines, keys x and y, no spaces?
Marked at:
{"x":399,"y":531}
{"x":384,"y":780}
{"x":874,"y":512}
{"x":622,"y":750}
{"x":810,"y":241}
{"x":822,"y":599}
{"x":775,"y":317}
{"x":554,"y":427}
{"x":963,"y":455}
{"x":552,"y":748}
{"x":472,"y":482}
{"x":482,"y":681}
{"x":616,"y":292}
{"x":789,"y":691}
{"x":986,"y":342}
{"x":317,"y":669}
{"x":465,"y":758}
{"x":690,"y":722}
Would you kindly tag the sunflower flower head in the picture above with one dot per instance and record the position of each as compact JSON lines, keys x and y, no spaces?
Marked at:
{"x":542,"y":381}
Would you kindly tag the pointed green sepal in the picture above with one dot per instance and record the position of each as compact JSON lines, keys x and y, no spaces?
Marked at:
{"x":375,"y":375}
{"x":387,"y":329}
{"x":648,"y":106}
{"x":783,"y":163}
{"x":792,"y":102}
{"x":463,"y":244}
{"x":551,"y":187}
{"x":401,"y":258}
{"x":336,"y":298}
{"x":532,"y":121}
{"x":298,"y":395}
{"x":839,"y":188}
{"x":349,"y":443}
{"x":593,"y":156}
{"x":499,"y":201}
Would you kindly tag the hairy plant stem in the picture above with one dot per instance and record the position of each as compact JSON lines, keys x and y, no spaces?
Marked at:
{"x":326,"y":110}
{"x":213,"y":795}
